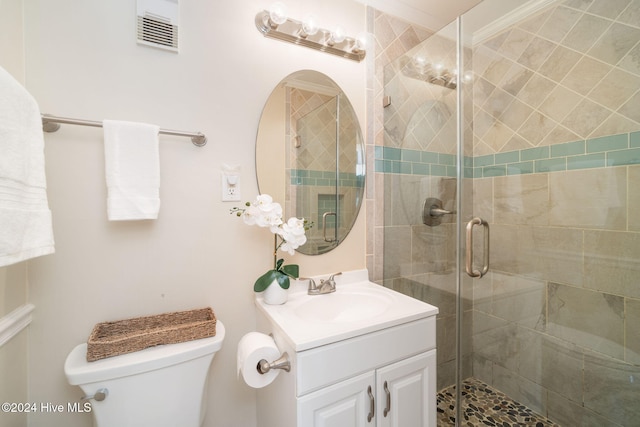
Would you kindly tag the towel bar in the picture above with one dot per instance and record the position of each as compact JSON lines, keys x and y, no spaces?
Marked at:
{"x":52,"y":123}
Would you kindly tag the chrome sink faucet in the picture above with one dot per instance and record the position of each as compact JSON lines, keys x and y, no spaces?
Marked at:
{"x":325,"y":287}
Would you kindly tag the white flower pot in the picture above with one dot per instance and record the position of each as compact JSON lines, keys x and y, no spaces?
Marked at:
{"x":274,"y":294}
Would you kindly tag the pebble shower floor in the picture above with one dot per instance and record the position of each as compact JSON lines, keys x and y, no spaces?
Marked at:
{"x":484,"y":406}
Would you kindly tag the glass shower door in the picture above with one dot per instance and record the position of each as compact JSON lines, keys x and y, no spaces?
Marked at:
{"x":555,"y":172}
{"x":540,"y":137}
{"x":428,"y":197}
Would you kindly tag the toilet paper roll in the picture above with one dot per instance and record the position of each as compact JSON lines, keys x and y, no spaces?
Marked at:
{"x":252,"y":348}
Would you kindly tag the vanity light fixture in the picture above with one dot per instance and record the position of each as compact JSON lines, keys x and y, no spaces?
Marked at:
{"x":274,"y":23}
{"x":420,"y":68}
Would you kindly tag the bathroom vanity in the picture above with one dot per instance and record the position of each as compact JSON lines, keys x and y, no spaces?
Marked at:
{"x":362,"y":356}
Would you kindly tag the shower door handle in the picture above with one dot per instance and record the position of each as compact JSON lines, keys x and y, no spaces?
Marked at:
{"x":324,"y":225}
{"x":469,"y":255}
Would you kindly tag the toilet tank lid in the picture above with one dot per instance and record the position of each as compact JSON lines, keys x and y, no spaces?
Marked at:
{"x":79,"y":371}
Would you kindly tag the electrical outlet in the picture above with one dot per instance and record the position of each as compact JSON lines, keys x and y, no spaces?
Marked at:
{"x":230,"y":187}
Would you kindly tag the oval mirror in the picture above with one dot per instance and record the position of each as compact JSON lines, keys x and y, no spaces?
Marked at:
{"x":310,"y":157}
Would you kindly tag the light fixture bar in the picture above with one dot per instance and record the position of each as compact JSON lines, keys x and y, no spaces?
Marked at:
{"x":291,"y":31}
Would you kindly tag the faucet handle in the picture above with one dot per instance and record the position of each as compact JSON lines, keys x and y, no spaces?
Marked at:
{"x":334,"y":275}
{"x":313,"y":287}
{"x":330,"y":283}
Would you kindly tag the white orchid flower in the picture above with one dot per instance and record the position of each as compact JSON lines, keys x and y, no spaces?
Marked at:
{"x":271,"y":217}
{"x":263,"y":202}
{"x":293,"y":234}
{"x":264,"y":212}
{"x":251,"y":215}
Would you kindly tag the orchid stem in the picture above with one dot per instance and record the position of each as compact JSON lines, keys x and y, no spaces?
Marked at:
{"x":275,"y":251}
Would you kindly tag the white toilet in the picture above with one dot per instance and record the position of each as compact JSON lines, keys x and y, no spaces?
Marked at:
{"x":158,"y":386}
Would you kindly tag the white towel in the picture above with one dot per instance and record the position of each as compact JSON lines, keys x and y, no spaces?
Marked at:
{"x":25,"y":219}
{"x":132,"y":166}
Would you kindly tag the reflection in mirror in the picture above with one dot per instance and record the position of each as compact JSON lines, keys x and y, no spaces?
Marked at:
{"x":310,"y":157}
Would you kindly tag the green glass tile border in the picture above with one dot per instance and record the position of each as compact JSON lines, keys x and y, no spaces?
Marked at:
{"x":586,"y":161}
{"x":551,"y":165}
{"x":535,"y":153}
{"x":623,"y":157}
{"x":607,"y":151}
{"x":414,"y":162}
{"x":608,"y":143}
{"x":324,"y":178}
{"x":568,"y":149}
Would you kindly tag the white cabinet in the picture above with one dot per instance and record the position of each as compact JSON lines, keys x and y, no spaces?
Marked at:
{"x":406,"y":392}
{"x":398,"y":395}
{"x":346,"y":404}
{"x":386,"y":378}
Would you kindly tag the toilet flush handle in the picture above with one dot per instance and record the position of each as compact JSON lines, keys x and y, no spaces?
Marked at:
{"x":99,"y":396}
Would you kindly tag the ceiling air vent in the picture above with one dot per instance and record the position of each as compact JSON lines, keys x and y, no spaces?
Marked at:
{"x":158,"y":23}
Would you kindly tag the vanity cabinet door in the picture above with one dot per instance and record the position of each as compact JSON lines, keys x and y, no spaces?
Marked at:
{"x":406,"y":392}
{"x":346,"y":404}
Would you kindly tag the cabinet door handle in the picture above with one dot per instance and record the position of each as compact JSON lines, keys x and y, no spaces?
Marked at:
{"x":387,"y":409}
{"x":372,"y":405}
{"x":469,"y":255}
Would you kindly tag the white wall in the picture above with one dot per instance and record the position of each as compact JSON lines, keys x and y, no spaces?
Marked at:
{"x":82,"y":61}
{"x":13,"y":279}
{"x":11,"y":38}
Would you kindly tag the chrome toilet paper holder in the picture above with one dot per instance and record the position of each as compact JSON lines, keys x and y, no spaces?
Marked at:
{"x":282,"y":362}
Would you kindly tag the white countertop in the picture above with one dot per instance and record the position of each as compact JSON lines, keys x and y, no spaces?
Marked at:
{"x":381,"y":308}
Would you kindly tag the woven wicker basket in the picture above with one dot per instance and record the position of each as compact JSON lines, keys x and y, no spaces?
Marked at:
{"x":126,"y":336}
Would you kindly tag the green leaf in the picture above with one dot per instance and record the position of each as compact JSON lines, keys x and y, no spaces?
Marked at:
{"x":279,"y":264}
{"x":291,"y":270}
{"x":265,"y":280}
{"x":283,"y":281}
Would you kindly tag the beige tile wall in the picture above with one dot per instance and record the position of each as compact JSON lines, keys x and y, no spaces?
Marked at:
{"x":554,"y":321}
{"x":571,"y":72}
{"x":393,"y":38}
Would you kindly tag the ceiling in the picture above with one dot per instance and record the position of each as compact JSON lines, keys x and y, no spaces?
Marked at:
{"x":431,"y":14}
{"x":436,"y":14}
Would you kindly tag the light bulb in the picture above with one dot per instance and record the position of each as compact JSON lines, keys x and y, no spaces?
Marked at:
{"x":337,"y":36}
{"x":309,"y":26}
{"x":278,"y":13}
{"x":360,"y":42}
{"x":420,"y":63}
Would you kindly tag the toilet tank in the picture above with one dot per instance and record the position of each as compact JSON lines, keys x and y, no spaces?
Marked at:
{"x":158,"y":386}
